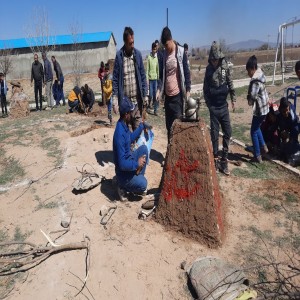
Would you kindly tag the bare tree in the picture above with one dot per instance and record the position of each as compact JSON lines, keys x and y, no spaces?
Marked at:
{"x":77,"y":53}
{"x":38,"y":32}
{"x":223,"y":45}
{"x":229,"y":54}
{"x":6,"y":60}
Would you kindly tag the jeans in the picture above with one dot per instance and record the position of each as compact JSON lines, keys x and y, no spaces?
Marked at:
{"x":61,"y":95}
{"x":109,"y":106}
{"x":152,"y":94}
{"x":74,"y":104}
{"x":173,"y":111}
{"x":38,"y":86}
{"x":130,"y":181}
{"x":49,"y":93}
{"x":3,"y":104}
{"x":256,"y":134}
{"x":220,"y":116}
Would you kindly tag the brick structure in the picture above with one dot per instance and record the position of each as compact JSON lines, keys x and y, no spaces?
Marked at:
{"x":190,"y":200}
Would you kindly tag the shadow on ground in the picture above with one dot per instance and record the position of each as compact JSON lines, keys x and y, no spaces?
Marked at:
{"x":104,"y":157}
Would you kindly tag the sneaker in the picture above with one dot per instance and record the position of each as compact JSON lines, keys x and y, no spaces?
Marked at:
{"x":155,"y":113}
{"x":150,"y":111}
{"x":264,"y":149}
{"x":224,"y":167}
{"x":122,"y":194}
{"x":258,"y":159}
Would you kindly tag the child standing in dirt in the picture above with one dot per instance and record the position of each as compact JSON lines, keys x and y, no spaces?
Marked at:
{"x":107,"y":91}
{"x":257,"y":98}
{"x":3,"y":93}
{"x":217,"y":85}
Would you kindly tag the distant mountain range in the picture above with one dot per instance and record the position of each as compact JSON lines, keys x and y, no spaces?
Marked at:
{"x":250,"y":44}
{"x":243,"y":45}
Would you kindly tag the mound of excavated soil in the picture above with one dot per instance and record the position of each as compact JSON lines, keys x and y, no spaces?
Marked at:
{"x":19,"y":105}
{"x":190,"y":201}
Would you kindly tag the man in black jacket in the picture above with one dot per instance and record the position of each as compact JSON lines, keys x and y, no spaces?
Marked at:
{"x":217,"y":85}
{"x":60,"y":79}
{"x":37,"y":75}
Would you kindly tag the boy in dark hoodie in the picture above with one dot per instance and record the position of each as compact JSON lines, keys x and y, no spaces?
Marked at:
{"x":217,"y":85}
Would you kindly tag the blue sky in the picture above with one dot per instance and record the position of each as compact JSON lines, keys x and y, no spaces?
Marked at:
{"x":195,"y":22}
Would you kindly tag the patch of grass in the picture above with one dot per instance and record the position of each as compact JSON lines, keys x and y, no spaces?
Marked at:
{"x":4,"y":136}
{"x":3,"y":236}
{"x":278,"y":223}
{"x":42,"y":132}
{"x":49,"y":205}
{"x":59,"y":127}
{"x":240,"y":91}
{"x":294,"y":216}
{"x":239,"y":110}
{"x":290,"y":198}
{"x":11,"y":169}
{"x":263,"y":202}
{"x":265,"y":235}
{"x":51,"y":145}
{"x":204,"y":114}
{"x":266,"y":170}
{"x":19,"y":235}
{"x":288,"y":242}
{"x":37,"y":198}
{"x":262,"y":276}
{"x":241,"y":132}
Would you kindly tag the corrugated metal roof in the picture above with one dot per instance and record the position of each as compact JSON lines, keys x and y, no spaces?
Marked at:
{"x":56,"y":40}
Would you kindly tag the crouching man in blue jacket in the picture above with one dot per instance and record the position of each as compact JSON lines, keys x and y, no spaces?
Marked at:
{"x":130,"y":165}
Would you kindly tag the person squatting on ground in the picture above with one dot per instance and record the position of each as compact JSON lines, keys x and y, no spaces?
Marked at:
{"x":129,"y":166}
{"x":60,"y":81}
{"x":152,"y":77}
{"x":3,"y":93}
{"x":107,"y":91}
{"x":88,"y":98}
{"x":270,"y":131}
{"x":174,"y":83}
{"x":129,"y":78}
{"x":101,"y":73}
{"x":48,"y":79}
{"x":257,"y":98}
{"x":74,"y":99}
{"x":217,"y":85}
{"x":37,"y":75}
{"x":288,"y":129}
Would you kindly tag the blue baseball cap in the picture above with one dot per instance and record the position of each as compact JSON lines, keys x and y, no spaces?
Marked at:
{"x":125,"y":106}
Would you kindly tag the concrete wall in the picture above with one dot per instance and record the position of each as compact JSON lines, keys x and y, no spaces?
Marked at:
{"x":92,"y":55}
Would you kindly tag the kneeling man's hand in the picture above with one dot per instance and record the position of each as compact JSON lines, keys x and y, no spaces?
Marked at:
{"x":141,"y":163}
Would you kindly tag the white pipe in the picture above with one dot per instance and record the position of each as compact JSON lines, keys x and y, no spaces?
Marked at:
{"x":280,"y":31}
{"x":276,"y":55}
{"x":282,"y":56}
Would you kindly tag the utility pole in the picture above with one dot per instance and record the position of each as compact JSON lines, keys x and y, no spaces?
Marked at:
{"x":268,"y":48}
{"x":167,"y":17}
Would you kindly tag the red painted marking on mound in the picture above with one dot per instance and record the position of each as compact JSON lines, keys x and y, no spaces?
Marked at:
{"x":180,"y":189}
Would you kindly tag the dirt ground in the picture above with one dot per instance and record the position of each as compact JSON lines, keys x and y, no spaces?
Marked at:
{"x":129,"y":258}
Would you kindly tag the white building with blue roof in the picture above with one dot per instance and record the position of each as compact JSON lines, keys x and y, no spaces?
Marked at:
{"x":94,"y":48}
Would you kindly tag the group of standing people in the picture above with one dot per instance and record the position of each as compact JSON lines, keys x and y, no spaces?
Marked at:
{"x":130,"y":89}
{"x":42,"y":76}
{"x":168,"y":78}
